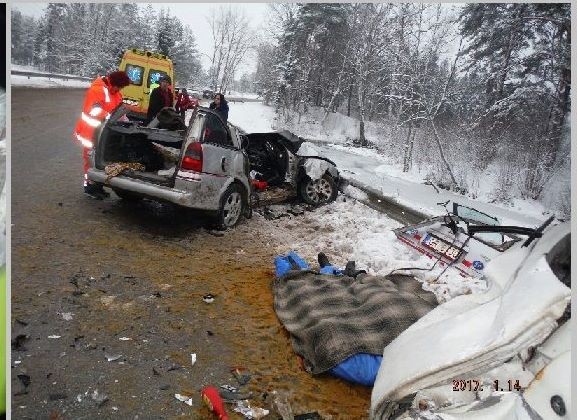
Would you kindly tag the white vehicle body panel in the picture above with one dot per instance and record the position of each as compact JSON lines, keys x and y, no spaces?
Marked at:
{"x":473,"y":334}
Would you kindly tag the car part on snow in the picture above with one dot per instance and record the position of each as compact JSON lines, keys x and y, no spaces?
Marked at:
{"x":464,"y":238}
{"x":520,"y":310}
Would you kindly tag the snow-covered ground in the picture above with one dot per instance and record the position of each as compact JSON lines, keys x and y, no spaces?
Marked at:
{"x":348,"y":230}
{"x":374,"y":169}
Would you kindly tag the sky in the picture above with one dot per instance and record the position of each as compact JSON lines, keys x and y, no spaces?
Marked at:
{"x":193,"y":14}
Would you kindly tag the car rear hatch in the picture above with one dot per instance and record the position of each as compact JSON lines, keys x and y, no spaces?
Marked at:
{"x":123,"y":142}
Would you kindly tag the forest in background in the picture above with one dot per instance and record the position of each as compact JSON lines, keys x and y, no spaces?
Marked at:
{"x":87,"y":39}
{"x":465,"y":91}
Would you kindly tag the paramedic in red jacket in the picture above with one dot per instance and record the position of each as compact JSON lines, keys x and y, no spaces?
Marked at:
{"x":101,"y":99}
{"x":184,"y":102}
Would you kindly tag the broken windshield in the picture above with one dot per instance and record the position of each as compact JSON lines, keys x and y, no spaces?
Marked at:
{"x":476,"y":217}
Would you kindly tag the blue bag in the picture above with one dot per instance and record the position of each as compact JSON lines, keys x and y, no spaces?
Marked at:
{"x":361,"y":368}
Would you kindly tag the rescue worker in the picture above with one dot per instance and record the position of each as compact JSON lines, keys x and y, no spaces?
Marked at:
{"x":184,"y":102}
{"x":101,"y":99}
{"x":159,"y":98}
{"x":153,"y":86}
{"x":220,"y":105}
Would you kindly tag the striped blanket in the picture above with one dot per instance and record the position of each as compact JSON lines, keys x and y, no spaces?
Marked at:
{"x":331,"y":318}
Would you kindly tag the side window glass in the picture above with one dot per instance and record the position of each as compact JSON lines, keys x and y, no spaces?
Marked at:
{"x":215,"y":132}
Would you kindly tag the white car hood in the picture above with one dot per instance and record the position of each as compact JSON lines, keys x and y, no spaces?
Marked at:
{"x":474,"y":333}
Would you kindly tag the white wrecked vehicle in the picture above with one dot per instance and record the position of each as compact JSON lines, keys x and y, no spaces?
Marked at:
{"x":502,"y":354}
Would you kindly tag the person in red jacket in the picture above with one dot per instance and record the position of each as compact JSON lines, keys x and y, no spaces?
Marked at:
{"x":184,"y":101}
{"x":101,"y":99}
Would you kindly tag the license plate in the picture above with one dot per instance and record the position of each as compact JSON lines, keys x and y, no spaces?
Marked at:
{"x":442,"y":247}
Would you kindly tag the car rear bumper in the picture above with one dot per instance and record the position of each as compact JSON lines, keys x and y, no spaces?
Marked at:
{"x":157,"y":192}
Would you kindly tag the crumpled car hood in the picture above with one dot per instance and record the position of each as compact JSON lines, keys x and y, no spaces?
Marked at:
{"x":474,"y":333}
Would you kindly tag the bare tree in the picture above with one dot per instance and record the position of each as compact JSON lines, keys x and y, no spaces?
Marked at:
{"x":231,"y":36}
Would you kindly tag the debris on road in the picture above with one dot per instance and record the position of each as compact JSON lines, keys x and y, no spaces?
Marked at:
{"x":208,"y":298}
{"x":193,"y":358}
{"x":18,"y":342}
{"x":99,"y":398}
{"x":25,"y":381}
{"x":244,"y":408}
{"x":112,"y":358}
{"x":308,"y":416}
{"x":54,"y":336}
{"x":231,"y":394}
{"x":282,"y":406}
{"x":241,"y":375}
{"x":67,"y":316}
{"x":125,"y":338}
{"x":185,"y":399}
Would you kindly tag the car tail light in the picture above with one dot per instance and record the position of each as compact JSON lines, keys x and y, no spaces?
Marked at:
{"x":192,"y":159}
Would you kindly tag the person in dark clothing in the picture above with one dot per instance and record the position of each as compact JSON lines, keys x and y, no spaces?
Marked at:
{"x":159,"y":98}
{"x":220,"y":105}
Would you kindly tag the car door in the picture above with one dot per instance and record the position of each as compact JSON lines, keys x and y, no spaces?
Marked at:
{"x":219,"y":151}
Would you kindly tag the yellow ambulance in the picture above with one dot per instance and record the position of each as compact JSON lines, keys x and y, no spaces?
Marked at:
{"x":144,"y":68}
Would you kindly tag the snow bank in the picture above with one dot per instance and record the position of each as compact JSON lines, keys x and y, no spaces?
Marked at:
{"x":381,"y":171}
{"x":45,"y":82}
{"x":348,"y":230}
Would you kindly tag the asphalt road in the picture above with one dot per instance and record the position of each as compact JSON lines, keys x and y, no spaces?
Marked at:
{"x":99,"y":280}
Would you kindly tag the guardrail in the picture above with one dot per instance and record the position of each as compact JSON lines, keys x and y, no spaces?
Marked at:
{"x":30,"y":74}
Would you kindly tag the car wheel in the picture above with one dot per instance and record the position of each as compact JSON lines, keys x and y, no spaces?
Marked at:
{"x":231,"y":207}
{"x":318,"y":191}
{"x":127,"y":195}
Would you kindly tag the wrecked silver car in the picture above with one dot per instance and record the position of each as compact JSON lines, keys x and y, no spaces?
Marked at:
{"x":207,"y":165}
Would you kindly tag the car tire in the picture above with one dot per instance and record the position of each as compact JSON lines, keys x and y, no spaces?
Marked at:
{"x":232,"y":206}
{"x":318,"y":191}
{"x":127,"y":195}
